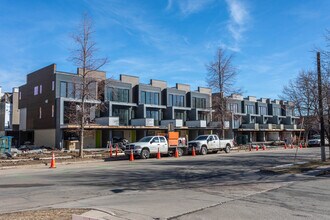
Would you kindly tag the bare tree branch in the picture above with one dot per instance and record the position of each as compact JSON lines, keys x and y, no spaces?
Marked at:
{"x":85,"y":87}
{"x":221,"y":77}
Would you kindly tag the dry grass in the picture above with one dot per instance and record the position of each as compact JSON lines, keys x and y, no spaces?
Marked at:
{"x":44,"y":214}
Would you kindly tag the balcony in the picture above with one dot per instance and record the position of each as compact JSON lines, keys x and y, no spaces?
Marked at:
{"x":252,"y":126}
{"x":175,"y":122}
{"x":196,"y":124}
{"x":290,"y":127}
{"x":270,"y":127}
{"x":215,"y":124}
{"x":148,"y":122}
{"x":107,"y":121}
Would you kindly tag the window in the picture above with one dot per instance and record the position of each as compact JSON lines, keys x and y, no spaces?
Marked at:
{"x":289,"y":112}
{"x":39,"y":112}
{"x":143,"y":97}
{"x":155,"y":140}
{"x":233,"y":107}
{"x":70,"y":90}
{"x":249,"y":109}
{"x":198,"y":102}
{"x":117,"y":94}
{"x":150,"y":98}
{"x":53,"y":85}
{"x":176,"y":100}
{"x":35,"y":90}
{"x":276,"y":111}
{"x":170,"y":98}
{"x":262,"y":110}
{"x":52,"y":111}
{"x":162,"y":139}
{"x":202,"y":116}
{"x":153,"y":113}
{"x":179,"y":115}
{"x":156,"y":98}
{"x":20,"y":95}
{"x":40,"y":89}
{"x":63,"y":89}
{"x":122,"y":113}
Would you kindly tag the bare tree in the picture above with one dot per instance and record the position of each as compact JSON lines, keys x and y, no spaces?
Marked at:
{"x":221,"y":77}
{"x":303,"y":92}
{"x":86,"y":83}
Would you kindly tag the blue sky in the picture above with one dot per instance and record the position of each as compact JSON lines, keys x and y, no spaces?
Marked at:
{"x":172,"y":40}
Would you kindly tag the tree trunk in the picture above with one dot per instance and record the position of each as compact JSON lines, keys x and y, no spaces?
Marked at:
{"x":81,"y":147}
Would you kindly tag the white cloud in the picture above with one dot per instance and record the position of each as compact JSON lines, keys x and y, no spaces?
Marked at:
{"x":239,"y":18}
{"x":188,"y":7}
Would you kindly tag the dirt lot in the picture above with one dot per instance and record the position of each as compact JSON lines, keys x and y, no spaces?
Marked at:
{"x":44,"y":214}
{"x":45,"y":158}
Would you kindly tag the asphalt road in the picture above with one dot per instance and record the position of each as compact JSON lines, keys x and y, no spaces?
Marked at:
{"x":215,"y":186}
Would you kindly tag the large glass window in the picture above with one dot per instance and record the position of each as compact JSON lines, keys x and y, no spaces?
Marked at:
{"x":143,"y":97}
{"x":179,"y":115}
{"x":122,"y":113}
{"x":117,"y":94}
{"x":150,"y":98}
{"x":202,"y":116}
{"x":176,"y":100}
{"x":276,"y":111}
{"x":262,"y":110}
{"x":233,"y":107}
{"x":249,"y":109}
{"x":63,"y":89}
{"x":198,"y":102}
{"x":289,"y":112}
{"x":153,"y":113}
{"x":70,"y":90}
{"x":170,"y":100}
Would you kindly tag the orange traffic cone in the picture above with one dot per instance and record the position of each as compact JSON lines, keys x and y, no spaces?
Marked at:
{"x":193,"y":153}
{"x":263,"y":147}
{"x":300,"y":146}
{"x":257,"y":148}
{"x":131,"y":156}
{"x":116,"y":150}
{"x":52,"y":162}
{"x":176,"y":154}
{"x":110,"y":150}
{"x":158,"y":154}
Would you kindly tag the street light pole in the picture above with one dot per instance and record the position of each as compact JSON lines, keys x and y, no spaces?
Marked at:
{"x":319,"y":82}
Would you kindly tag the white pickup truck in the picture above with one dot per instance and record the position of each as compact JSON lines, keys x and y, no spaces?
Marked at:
{"x":149,"y":145}
{"x":210,"y":143}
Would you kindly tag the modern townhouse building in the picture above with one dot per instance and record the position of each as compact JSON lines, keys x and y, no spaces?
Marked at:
{"x":260,"y":120}
{"x":130,"y":109}
{"x":9,"y":114}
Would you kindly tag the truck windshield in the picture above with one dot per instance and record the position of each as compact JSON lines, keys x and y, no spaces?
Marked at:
{"x":201,"y":138}
{"x":145,"y":139}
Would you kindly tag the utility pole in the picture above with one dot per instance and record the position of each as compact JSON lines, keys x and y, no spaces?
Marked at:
{"x":319,"y":82}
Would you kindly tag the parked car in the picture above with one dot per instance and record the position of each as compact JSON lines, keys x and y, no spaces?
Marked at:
{"x":315,"y":141}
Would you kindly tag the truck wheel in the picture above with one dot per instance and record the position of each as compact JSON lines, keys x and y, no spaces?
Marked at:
{"x":227,"y":149}
{"x":203,"y":151}
{"x":145,"y":154}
